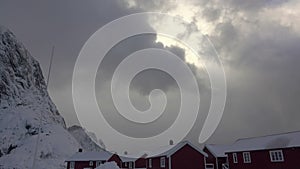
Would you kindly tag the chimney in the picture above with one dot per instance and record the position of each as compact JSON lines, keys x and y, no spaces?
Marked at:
{"x":171,"y":142}
{"x":80,"y":150}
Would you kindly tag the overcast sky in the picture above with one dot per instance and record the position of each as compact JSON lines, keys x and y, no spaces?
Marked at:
{"x":257,"y":41}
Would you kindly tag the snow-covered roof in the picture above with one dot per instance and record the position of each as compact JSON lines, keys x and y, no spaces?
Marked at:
{"x":171,"y":149}
{"x":133,"y":157}
{"x":286,"y":140}
{"x":91,"y":156}
{"x":217,"y":150}
{"x":127,"y":159}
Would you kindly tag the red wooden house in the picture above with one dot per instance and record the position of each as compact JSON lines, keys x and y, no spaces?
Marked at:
{"x":136,"y":163}
{"x":184,"y":155}
{"x":140,"y":163}
{"x":128,"y":162}
{"x":216,"y":159}
{"x":91,"y":160}
{"x":280,"y":151}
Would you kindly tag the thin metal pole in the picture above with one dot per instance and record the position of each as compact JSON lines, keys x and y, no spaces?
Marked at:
{"x":50,"y":66}
{"x":40,"y":127}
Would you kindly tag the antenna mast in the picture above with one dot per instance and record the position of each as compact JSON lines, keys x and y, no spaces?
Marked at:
{"x":40,"y":121}
{"x":50,"y":66}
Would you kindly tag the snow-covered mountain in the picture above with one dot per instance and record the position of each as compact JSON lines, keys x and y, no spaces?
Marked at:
{"x":84,"y":139}
{"x":28,"y":117}
{"x":95,"y":139}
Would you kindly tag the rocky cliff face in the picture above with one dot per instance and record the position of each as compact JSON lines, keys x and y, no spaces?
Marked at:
{"x":22,"y":83}
{"x":32,"y":132}
{"x":83,"y":138}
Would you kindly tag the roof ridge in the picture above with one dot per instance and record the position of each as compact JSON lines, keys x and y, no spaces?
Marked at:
{"x":275,"y":134}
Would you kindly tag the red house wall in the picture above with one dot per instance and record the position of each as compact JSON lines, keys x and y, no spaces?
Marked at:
{"x":211,"y":158}
{"x":187,"y":158}
{"x":81,"y":165}
{"x":261,"y":159}
{"x":86,"y":164}
{"x":140,"y":163}
{"x":156,"y":163}
{"x":127,"y":166}
{"x":221,"y":160}
{"x":116,"y":159}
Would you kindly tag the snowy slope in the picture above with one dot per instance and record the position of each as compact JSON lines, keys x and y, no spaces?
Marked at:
{"x":25,"y":110}
{"x":84,"y":139}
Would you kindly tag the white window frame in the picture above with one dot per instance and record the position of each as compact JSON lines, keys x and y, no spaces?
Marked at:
{"x":234,"y":157}
{"x":91,"y":163}
{"x":150,"y":163}
{"x":246,"y":157}
{"x":275,"y":156}
{"x":212,"y":166}
{"x":72,"y":164}
{"x":162,"y":162}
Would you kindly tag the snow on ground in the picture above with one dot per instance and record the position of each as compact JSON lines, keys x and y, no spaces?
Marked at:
{"x":108,"y":165}
{"x":54,"y":145}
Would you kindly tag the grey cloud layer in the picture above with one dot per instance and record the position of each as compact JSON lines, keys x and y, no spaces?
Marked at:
{"x":261,"y":58}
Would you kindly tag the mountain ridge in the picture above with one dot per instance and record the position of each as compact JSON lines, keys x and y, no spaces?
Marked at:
{"x":29,"y":120}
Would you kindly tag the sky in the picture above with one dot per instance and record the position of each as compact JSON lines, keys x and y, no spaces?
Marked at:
{"x":257,"y":43}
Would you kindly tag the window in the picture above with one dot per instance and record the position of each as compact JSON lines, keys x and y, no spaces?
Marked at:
{"x":234,"y":156}
{"x":246,"y":157}
{"x":91,"y":163}
{"x":209,"y":166}
{"x":130,"y":164}
{"x":125,"y":164}
{"x":276,"y":156}
{"x":72,"y":165}
{"x":162,"y":162}
{"x":150,"y":163}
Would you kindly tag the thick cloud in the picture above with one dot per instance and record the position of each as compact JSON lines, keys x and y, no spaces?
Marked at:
{"x":257,"y":41}
{"x":141,"y":86}
{"x":211,"y":14}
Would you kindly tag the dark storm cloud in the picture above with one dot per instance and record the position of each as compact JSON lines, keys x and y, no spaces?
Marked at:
{"x":130,"y":45}
{"x":260,"y":55}
{"x":261,"y":61}
{"x":140,"y":87}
